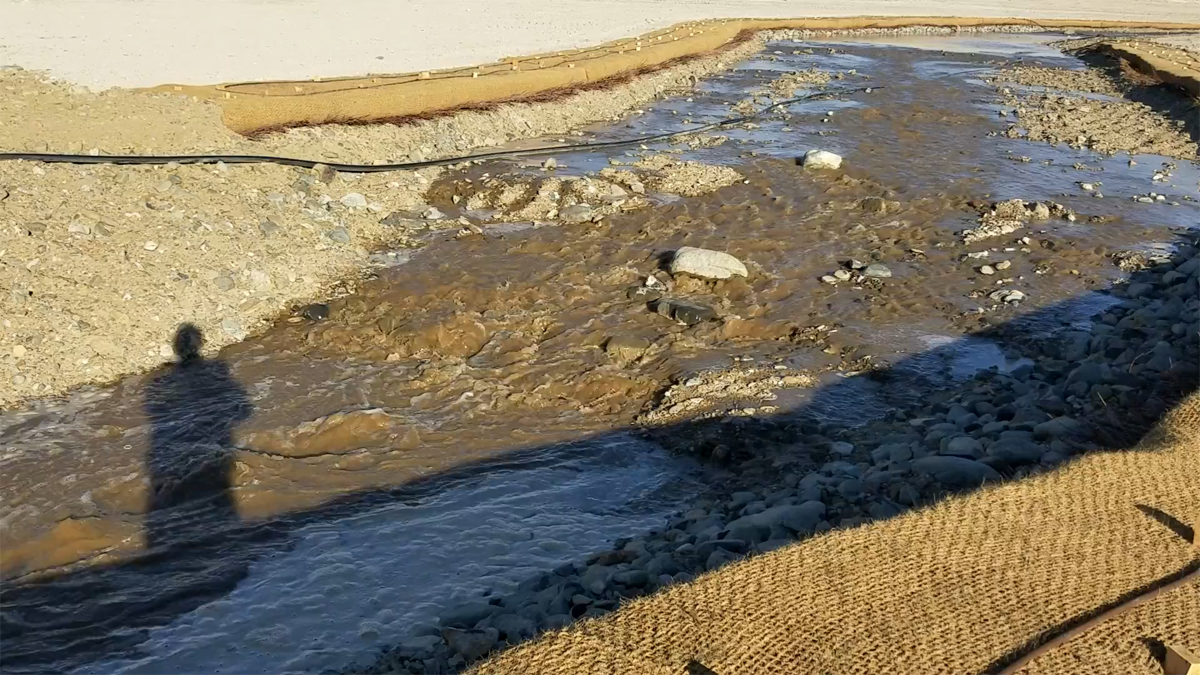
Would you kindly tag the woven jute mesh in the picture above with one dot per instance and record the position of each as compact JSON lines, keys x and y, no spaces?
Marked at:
{"x":963,"y":586}
{"x":251,"y":107}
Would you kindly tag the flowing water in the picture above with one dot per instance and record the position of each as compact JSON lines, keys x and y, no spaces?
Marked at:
{"x":457,"y":425}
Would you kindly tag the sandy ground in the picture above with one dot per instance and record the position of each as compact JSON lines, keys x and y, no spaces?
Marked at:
{"x":106,"y":43}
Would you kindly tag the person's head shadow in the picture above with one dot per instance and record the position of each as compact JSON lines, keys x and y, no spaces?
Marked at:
{"x":193,"y":409}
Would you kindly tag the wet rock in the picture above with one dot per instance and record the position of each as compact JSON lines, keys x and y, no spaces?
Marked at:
{"x":801,"y":518}
{"x":1003,"y":265}
{"x":850,"y":489}
{"x":596,"y":577}
{"x":1059,"y":427}
{"x":468,"y":615}
{"x":353,"y":200}
{"x":841,"y":448}
{"x":472,"y":644}
{"x":626,"y":347}
{"x":963,"y":446}
{"x":1006,"y":295}
{"x":821,"y":159}
{"x":643,"y":293}
{"x":514,"y":628}
{"x":317,"y":311}
{"x":685,"y":312}
{"x":877,"y":271}
{"x":719,"y":558}
{"x":338,"y":433}
{"x":557,"y":621}
{"x":873,"y":204}
{"x":632,"y":578}
{"x":706,"y":264}
{"x":576,"y":213}
{"x":987,"y":269}
{"x":421,"y":644}
{"x":1015,"y":451}
{"x":955,"y":471}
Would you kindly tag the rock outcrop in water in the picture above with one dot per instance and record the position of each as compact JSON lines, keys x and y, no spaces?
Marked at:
{"x":706,"y":264}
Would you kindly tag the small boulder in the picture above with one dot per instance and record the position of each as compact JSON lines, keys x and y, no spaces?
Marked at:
{"x":821,"y":159}
{"x":576,"y":213}
{"x":706,"y":264}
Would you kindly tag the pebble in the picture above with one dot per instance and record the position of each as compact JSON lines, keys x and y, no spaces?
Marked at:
{"x":267,"y":227}
{"x":224,"y":283}
{"x":877,"y":271}
{"x":1003,"y":265}
{"x":317,"y":311}
{"x":821,"y":159}
{"x":706,"y":264}
{"x":150,"y":246}
{"x":432,"y":213}
{"x":339,"y":235}
{"x":987,"y":269}
{"x":18,"y":351}
{"x":353,"y":200}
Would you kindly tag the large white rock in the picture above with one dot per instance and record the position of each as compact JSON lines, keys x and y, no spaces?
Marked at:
{"x":821,"y":159}
{"x":701,"y":262}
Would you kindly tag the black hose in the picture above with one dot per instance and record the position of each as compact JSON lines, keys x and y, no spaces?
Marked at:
{"x":403,"y":166}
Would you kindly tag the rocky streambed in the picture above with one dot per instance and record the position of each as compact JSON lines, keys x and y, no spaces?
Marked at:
{"x":700,"y":349}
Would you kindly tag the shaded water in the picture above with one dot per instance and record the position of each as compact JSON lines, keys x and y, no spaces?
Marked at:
{"x":362,"y":494}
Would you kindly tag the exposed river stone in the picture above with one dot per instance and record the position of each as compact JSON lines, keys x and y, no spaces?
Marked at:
{"x":706,"y":264}
{"x":821,"y":159}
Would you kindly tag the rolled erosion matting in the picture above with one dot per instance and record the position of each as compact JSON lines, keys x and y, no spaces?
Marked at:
{"x":1169,"y":64}
{"x":974,"y":584}
{"x":254,"y":107}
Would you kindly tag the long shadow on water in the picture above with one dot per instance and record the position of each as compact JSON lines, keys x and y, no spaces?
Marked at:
{"x":198,"y":552}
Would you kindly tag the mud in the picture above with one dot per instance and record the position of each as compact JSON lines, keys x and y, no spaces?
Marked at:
{"x":511,"y":335}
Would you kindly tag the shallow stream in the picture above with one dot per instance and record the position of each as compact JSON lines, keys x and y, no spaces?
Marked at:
{"x":457,"y":425}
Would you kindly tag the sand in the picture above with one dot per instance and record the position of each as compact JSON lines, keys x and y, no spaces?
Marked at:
{"x":132,"y":43}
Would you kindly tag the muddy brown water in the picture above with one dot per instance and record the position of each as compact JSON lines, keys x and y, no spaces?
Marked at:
{"x":457,"y":423}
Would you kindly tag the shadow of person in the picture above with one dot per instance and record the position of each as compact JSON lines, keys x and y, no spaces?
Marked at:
{"x":193,"y":409}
